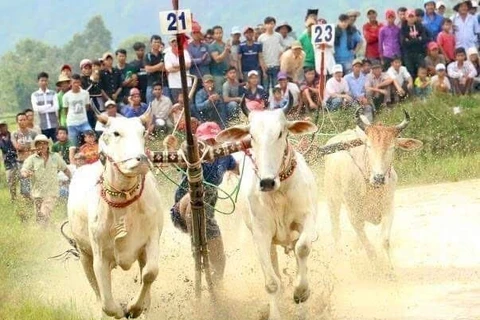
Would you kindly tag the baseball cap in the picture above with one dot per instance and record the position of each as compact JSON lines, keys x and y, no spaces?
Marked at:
{"x":390,"y":13}
{"x":66,"y":66}
{"x":134,"y":91}
{"x":282,"y":76}
{"x":440,"y":4}
{"x":471,"y":51}
{"x":432,"y":46}
{"x":107,"y":55}
{"x":3,"y":122}
{"x":110,"y":103}
{"x":357,"y":61}
{"x":85,"y":62}
{"x":207,"y":78}
{"x":296,"y":45}
{"x":337,"y":68}
{"x":440,"y":66}
{"x":353,"y":13}
{"x":376,"y":65}
{"x":252,"y":73}
{"x":236,"y":30}
{"x":172,"y":39}
{"x":207,"y":130}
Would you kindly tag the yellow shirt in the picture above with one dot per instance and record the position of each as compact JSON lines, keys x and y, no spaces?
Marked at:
{"x":418,"y":82}
{"x":44,"y":178}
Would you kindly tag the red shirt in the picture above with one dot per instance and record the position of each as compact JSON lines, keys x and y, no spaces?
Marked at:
{"x":446,"y":41}
{"x":370,"y":32}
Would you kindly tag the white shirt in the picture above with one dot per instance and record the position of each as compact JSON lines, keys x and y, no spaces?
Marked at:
{"x":467,"y":70}
{"x":171,"y":60}
{"x":400,"y":76}
{"x":77,"y":107}
{"x":435,"y":82}
{"x":161,"y":108}
{"x":294,"y":89}
{"x":272,"y":48}
{"x":335,"y":87}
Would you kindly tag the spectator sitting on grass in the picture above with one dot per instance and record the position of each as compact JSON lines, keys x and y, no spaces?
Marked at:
{"x":440,"y":81}
{"x":277,"y":100}
{"x":461,"y":72}
{"x":472,"y":54}
{"x":337,"y":92}
{"x":402,"y":80}
{"x":433,"y":58}
{"x":161,"y":110}
{"x":136,"y":107}
{"x":422,"y":83}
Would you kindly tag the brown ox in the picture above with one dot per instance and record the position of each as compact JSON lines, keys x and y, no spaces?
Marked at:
{"x":364,"y":180}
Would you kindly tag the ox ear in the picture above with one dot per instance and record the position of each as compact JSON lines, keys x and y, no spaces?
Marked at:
{"x":409,"y":144}
{"x":234,"y":133}
{"x":301,"y":127}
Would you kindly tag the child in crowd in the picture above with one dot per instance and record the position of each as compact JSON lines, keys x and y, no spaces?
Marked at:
{"x":446,"y":41}
{"x":277,"y":100}
{"x":64,"y":146}
{"x":422,"y":83}
{"x":472,"y":54}
{"x":440,"y":82}
{"x":402,"y":80}
{"x":309,"y":89}
{"x":90,"y":148}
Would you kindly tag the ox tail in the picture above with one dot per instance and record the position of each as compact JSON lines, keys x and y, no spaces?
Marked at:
{"x":70,"y":252}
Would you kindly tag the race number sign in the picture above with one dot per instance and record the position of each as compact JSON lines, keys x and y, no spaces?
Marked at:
{"x":323,"y":34}
{"x":173,"y":22}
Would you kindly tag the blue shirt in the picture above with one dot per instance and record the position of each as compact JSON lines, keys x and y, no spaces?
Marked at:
{"x":200,"y":66}
{"x":356,"y":85}
{"x":433,"y":24}
{"x":344,"y":52}
{"x":212,"y":173}
{"x":250,"y":56}
{"x":259,"y":95}
{"x":130,"y":112}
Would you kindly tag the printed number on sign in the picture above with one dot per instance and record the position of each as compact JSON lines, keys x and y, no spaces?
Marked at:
{"x":323,"y":34}
{"x":173,"y":22}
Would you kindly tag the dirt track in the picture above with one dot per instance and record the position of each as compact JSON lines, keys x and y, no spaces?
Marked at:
{"x":435,"y":249}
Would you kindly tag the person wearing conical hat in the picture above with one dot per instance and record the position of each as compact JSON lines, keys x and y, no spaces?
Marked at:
{"x":63,"y":85}
{"x":42,"y":168}
{"x":466,"y":25}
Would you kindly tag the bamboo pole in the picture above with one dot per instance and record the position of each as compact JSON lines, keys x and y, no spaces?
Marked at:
{"x":195,"y":179}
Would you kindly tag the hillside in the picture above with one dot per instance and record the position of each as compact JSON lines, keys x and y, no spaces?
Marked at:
{"x":55,"y":21}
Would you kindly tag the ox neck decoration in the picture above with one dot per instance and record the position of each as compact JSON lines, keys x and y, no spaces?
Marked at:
{"x":108,"y":190}
{"x":289,"y":163}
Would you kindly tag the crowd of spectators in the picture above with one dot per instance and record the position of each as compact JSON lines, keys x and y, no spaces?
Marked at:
{"x":412,"y":52}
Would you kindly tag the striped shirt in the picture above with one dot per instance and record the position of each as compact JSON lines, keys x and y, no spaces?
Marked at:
{"x":45,"y":104}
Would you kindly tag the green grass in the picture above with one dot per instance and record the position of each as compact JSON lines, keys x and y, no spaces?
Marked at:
{"x":451,"y":152}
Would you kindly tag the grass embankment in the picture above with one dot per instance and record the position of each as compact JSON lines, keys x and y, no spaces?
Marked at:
{"x":22,"y":261}
{"x":451,"y":152}
{"x":451,"y":149}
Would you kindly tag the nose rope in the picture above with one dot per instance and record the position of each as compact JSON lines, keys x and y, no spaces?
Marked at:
{"x":287,"y":167}
{"x":365,"y":160}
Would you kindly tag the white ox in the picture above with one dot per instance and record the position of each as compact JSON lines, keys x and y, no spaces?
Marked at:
{"x":281,"y":194}
{"x":114,"y":214}
{"x":364,"y":180}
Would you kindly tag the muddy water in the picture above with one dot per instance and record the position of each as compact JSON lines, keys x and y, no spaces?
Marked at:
{"x":435,"y":250}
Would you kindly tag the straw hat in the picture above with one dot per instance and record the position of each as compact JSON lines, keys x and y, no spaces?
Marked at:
{"x":41,"y":138}
{"x":62,"y":78}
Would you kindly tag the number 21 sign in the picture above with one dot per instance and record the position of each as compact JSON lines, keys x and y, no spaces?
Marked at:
{"x":173,"y":22}
{"x":323,"y":34}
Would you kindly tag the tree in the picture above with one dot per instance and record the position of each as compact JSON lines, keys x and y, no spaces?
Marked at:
{"x":127,"y":44}
{"x":95,"y":40}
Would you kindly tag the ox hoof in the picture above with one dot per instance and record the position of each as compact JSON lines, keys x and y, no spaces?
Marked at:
{"x":133,"y":312}
{"x":301,"y":295}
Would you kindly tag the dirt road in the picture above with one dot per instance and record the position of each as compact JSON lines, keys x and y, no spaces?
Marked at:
{"x":435,"y":250}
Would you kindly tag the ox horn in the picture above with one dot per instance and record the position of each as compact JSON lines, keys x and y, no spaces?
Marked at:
{"x":360,"y":123}
{"x":404,"y":123}
{"x":243,"y":107}
{"x":146,"y":117}
{"x":289,"y":106}
{"x":103,"y":119}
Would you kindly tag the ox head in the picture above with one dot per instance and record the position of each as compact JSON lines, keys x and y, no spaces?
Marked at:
{"x":380,"y":142}
{"x":123,"y":144}
{"x":268,"y":131}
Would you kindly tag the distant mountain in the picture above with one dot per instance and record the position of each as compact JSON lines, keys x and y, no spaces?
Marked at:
{"x":56,"y":21}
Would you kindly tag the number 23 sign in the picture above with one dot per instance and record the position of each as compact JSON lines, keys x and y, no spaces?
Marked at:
{"x":173,"y":22}
{"x":323,"y":34}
